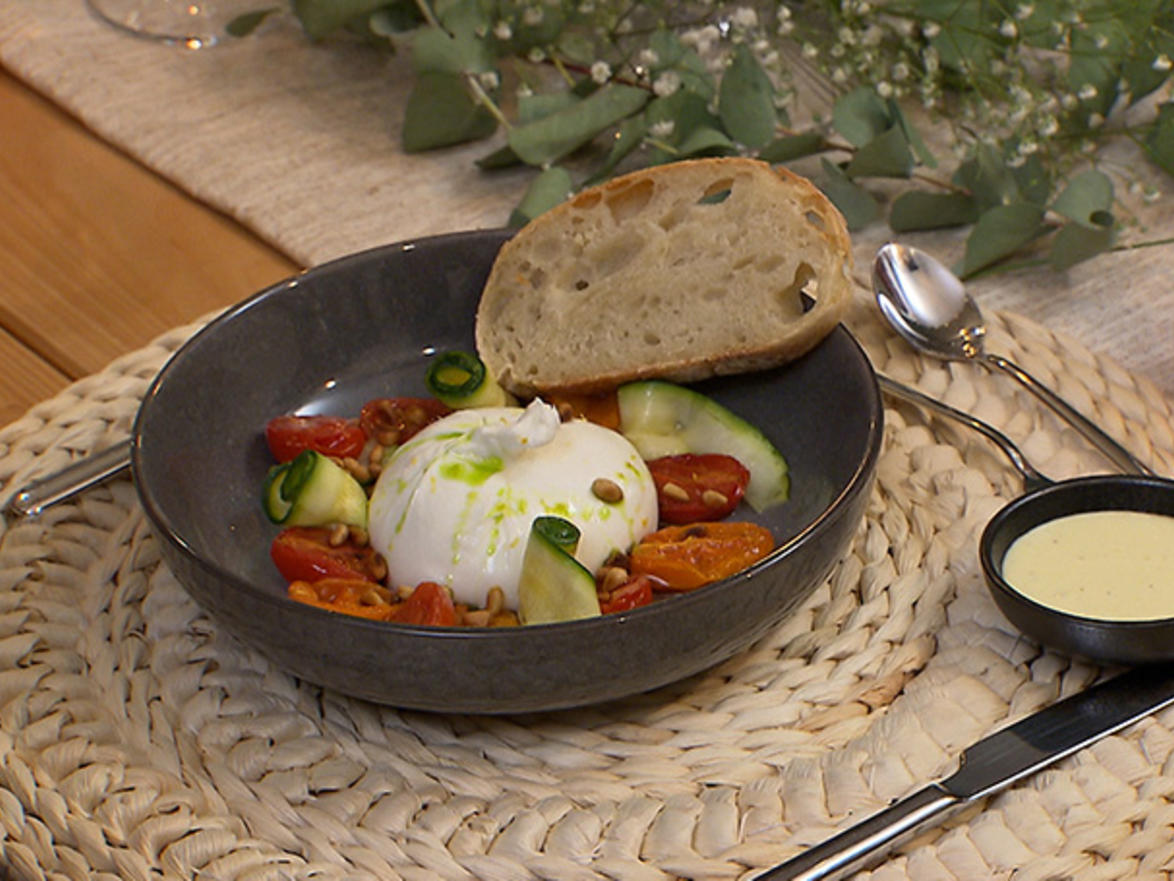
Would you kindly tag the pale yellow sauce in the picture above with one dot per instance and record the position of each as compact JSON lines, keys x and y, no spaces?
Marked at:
{"x":1112,"y":565}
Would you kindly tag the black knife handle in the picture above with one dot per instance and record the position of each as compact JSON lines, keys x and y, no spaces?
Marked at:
{"x":871,"y":838}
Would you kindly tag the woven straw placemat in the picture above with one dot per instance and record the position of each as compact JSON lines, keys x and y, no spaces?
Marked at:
{"x":137,"y":741}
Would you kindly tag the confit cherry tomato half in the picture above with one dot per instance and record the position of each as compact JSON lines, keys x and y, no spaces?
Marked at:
{"x":346,"y":596}
{"x":686,"y":557}
{"x":288,"y":436}
{"x":694,"y":487}
{"x":304,"y":553}
{"x":632,"y":594}
{"x":430,"y":604}
{"x":392,"y":421}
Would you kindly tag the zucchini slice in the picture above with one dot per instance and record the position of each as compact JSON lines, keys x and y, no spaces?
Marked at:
{"x":664,"y":419}
{"x":553,"y":585}
{"x":313,"y":490}
{"x":460,"y":380}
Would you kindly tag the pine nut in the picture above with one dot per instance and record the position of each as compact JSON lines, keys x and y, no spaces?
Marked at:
{"x":711,"y":498}
{"x":675,"y":491}
{"x":338,"y":535}
{"x":607,"y":490}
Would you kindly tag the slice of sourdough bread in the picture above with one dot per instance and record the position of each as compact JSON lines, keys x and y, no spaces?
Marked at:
{"x":681,"y":272}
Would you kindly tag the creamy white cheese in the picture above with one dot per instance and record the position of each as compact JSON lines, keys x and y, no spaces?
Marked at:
{"x":454,"y":505}
{"x":1112,"y":565}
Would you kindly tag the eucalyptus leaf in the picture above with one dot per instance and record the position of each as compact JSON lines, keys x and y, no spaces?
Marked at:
{"x":1077,"y":242}
{"x":549,"y":188}
{"x":746,"y":100}
{"x":502,"y":157}
{"x":1159,"y":143}
{"x":860,"y":116}
{"x":562,"y":132}
{"x":705,"y":141}
{"x":436,"y":51}
{"x":440,"y":112}
{"x":918,"y":210}
{"x":629,"y":136}
{"x":1032,"y":180}
{"x":886,"y":155}
{"x":858,"y":206}
{"x":394,"y":18}
{"x":1000,"y":232}
{"x":1087,"y":193}
{"x":912,"y":135}
{"x":320,"y":18}
{"x":686,"y":111}
{"x":1095,"y":60}
{"x":541,"y":104}
{"x":793,"y":147}
{"x":245,"y":24}
{"x":988,"y":177}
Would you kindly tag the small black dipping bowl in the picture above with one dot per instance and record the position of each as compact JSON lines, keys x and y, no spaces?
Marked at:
{"x":1112,"y":642}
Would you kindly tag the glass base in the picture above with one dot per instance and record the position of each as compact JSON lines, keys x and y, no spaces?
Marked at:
{"x":189,"y":24}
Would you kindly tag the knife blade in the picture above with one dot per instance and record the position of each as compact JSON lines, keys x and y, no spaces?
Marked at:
{"x":991,"y":764}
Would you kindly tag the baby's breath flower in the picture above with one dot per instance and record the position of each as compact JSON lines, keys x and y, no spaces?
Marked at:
{"x":810,"y":50}
{"x":884,"y":89}
{"x":662,"y":129}
{"x":1009,"y":29}
{"x":667,"y":83}
{"x":536,"y":55}
{"x":899,"y":72}
{"x":1095,"y":120}
{"x":502,"y":30}
{"x":647,"y":58}
{"x":600,"y":72}
{"x":1049,"y":126}
{"x":1087,"y":92}
{"x":840,"y":75}
{"x":930,"y":29}
{"x":489,"y":79}
{"x":1162,"y":62}
{"x":1024,"y":11}
{"x":533,"y":16}
{"x":1151,"y":194}
{"x":744,"y":17}
{"x":783,"y":12}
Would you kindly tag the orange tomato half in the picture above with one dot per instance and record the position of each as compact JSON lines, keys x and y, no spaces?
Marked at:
{"x":688,"y":557}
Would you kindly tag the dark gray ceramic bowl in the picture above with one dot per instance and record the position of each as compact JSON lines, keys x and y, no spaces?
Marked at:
{"x":363,"y":327}
{"x":1115,"y":642}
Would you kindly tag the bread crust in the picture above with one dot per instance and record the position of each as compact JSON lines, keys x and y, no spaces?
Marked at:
{"x":682,"y":271}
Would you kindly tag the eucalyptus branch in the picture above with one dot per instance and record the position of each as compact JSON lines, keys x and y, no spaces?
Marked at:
{"x":1023,"y":90}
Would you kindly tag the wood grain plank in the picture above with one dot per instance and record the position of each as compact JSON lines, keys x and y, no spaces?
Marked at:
{"x":25,"y":379}
{"x":101,"y":255}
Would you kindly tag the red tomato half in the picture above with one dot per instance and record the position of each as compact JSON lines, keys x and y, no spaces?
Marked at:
{"x":630,"y":595}
{"x":698,"y":486}
{"x":430,"y":603}
{"x":394,"y":420}
{"x":288,"y":436}
{"x":304,"y":553}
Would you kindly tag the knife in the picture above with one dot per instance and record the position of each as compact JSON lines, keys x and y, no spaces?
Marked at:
{"x":991,"y":764}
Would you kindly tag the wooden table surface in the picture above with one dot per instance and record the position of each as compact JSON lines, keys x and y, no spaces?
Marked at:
{"x":99,"y":254}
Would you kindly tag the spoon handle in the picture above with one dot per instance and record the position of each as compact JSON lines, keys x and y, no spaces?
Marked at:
{"x":1032,"y":479}
{"x":69,"y":481}
{"x":1116,"y":453}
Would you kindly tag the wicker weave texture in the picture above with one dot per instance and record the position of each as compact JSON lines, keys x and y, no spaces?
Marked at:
{"x":139,"y":742}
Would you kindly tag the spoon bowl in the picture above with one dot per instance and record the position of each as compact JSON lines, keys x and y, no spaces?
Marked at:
{"x":929,"y":307}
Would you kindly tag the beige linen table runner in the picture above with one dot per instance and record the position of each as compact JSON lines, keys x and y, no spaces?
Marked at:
{"x":139,"y":741}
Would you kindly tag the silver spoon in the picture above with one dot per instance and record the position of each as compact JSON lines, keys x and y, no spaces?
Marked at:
{"x":929,"y":307}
